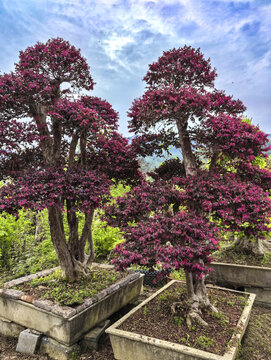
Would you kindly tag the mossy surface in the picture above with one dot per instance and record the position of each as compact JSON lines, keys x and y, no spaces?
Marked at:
{"x":54,"y":287}
{"x":235,"y":256}
{"x":256,"y":344}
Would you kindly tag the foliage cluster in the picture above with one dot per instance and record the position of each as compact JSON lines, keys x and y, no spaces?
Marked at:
{"x":61,"y":149}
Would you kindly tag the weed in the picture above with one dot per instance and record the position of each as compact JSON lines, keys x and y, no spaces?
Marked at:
{"x":178,"y":320}
{"x":230,"y":303}
{"x":204,"y":342}
{"x":145,"y":311}
{"x":243,"y":301}
{"x":223,"y":319}
{"x":185,"y":340}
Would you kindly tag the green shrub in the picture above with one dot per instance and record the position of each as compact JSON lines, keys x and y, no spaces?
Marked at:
{"x":25,"y":241}
{"x":105,"y":238}
{"x":16,"y":233}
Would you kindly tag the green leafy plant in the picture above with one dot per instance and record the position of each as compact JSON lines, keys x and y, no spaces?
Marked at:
{"x":204,"y":342}
{"x":105,"y":238}
{"x":178,"y":320}
{"x":15,"y":235}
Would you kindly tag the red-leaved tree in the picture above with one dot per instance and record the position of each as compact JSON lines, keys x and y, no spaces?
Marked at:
{"x":59,"y":150}
{"x":177,"y":218}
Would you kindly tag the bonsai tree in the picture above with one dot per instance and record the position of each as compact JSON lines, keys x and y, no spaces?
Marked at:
{"x":59,"y":150}
{"x":177,"y":218}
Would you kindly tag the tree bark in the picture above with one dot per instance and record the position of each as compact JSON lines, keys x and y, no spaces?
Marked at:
{"x":87,"y":236}
{"x":256,"y":246}
{"x":188,"y":157}
{"x":196,"y":288}
{"x":38,"y":228}
{"x":60,"y":245}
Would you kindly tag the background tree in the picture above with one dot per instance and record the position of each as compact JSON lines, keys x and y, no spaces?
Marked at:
{"x":59,"y":150}
{"x":179,"y":226}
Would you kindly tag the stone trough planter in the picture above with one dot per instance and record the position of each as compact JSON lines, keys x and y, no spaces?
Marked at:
{"x":64,"y":325}
{"x":132,"y":346}
{"x":253,"y":279}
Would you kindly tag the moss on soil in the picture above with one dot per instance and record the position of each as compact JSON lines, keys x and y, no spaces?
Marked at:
{"x":155,"y":319}
{"x":55,"y":288}
{"x":256,"y":344}
{"x":236,"y":256}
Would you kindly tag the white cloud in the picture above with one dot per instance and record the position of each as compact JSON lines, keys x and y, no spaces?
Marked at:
{"x":120,"y":37}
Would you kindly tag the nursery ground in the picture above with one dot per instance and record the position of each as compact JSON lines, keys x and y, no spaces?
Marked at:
{"x":256,"y":343}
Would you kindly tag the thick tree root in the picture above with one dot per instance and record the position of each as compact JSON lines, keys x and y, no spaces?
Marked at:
{"x":194,"y":314}
{"x":257,"y":247}
{"x":194,"y":317}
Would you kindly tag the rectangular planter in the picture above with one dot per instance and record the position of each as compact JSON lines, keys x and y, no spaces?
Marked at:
{"x":62,"y":323}
{"x":131,"y":346}
{"x":254,"y":279}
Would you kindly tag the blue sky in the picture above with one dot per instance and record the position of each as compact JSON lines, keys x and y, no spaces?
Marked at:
{"x":119,"y":38}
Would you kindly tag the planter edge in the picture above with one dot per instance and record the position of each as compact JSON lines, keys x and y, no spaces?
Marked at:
{"x":204,"y":355}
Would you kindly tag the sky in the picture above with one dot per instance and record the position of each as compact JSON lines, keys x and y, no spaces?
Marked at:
{"x":119,"y":38}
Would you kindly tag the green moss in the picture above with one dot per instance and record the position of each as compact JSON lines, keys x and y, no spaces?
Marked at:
{"x":54,"y":287}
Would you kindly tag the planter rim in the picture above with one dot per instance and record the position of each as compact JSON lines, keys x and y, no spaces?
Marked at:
{"x":263,"y":268}
{"x":230,"y":351}
{"x":62,"y":311}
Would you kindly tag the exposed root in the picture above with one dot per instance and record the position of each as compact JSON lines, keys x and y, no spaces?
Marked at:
{"x":193,"y":311}
{"x":194,"y":317}
{"x":212,"y":308}
{"x":255,"y":247}
{"x":81,"y":267}
{"x":174,"y":307}
{"x":267,"y":245}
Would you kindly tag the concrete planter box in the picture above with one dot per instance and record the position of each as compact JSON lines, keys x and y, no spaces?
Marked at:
{"x":254,"y":279}
{"x":65,"y":324}
{"x":131,"y":346}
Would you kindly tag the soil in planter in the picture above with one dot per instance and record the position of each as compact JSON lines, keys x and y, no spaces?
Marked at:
{"x":235,"y":256}
{"x":53,"y":287}
{"x":156,"y":320}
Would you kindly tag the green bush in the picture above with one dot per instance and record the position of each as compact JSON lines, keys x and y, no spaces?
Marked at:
{"x":105,"y":238}
{"x":25,"y":241}
{"x":23,"y":249}
{"x":16,"y":233}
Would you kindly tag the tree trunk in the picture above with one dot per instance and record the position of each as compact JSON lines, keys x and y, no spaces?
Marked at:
{"x":76,"y":244}
{"x":196,"y":288}
{"x":252,"y":246}
{"x":60,"y":245}
{"x":86,"y":236}
{"x":38,"y":228}
{"x":188,"y":157}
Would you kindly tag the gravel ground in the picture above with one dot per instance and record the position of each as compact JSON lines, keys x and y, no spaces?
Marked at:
{"x":256,"y":342}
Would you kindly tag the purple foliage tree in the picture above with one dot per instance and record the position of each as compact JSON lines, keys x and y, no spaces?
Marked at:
{"x":177,"y":218}
{"x":59,"y":150}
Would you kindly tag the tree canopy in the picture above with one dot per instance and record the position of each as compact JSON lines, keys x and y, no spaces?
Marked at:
{"x":60,"y":149}
{"x":177,"y":218}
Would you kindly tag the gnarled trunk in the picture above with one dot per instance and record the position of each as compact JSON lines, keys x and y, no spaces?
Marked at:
{"x":196,"y":288}
{"x":252,"y":246}
{"x":198,"y":300}
{"x":71,"y":255}
{"x":60,"y":245}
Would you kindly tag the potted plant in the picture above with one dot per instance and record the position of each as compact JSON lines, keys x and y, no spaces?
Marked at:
{"x":147,"y":332}
{"x":60,"y":151}
{"x":176,"y":219}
